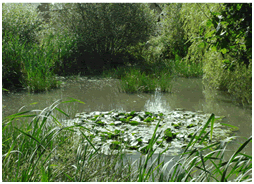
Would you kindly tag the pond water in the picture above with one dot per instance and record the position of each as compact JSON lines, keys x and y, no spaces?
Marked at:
{"x":104,"y":95}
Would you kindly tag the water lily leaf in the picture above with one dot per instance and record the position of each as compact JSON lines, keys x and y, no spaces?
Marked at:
{"x":134,"y":123}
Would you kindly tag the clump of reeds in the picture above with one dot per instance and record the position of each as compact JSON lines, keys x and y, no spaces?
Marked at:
{"x":138,"y":81}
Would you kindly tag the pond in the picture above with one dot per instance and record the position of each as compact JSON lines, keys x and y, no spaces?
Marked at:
{"x":104,"y":95}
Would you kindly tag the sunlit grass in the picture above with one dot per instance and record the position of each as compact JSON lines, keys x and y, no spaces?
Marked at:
{"x":29,"y":64}
{"x":182,"y":68}
{"x":137,"y":81}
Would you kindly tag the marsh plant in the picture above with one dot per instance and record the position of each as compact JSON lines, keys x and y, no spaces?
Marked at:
{"x":37,"y":146}
{"x":138,"y":81}
{"x":27,"y":61}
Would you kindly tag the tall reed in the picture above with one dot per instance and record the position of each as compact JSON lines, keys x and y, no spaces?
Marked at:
{"x":137,"y":81}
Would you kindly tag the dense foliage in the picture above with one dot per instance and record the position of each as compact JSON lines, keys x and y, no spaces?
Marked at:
{"x":22,"y":20}
{"x":220,"y":36}
{"x":102,"y":32}
{"x":20,"y":25}
{"x":190,"y":40}
{"x":231,"y":33}
{"x":27,"y":61}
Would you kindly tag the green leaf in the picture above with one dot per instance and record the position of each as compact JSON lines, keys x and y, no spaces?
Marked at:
{"x":69,"y":177}
{"x":209,"y":34}
{"x":73,"y":100}
{"x":212,"y":124}
{"x":209,"y":24}
{"x":201,"y":30}
{"x":28,"y":135}
{"x":214,"y":48}
{"x":226,"y":61}
{"x":224,"y":23}
{"x":62,"y":112}
{"x":238,"y":6}
{"x":224,"y":50}
{"x":223,"y":177}
{"x":202,"y":45}
{"x":33,"y":103}
{"x":206,"y":125}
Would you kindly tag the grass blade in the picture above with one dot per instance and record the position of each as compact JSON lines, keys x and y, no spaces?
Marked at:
{"x":223,"y":177}
{"x":206,"y":125}
{"x":62,"y":112}
{"x":28,"y":135}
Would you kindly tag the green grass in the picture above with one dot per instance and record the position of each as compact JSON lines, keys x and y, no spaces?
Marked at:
{"x":184,"y":69}
{"x":151,"y":76}
{"x":37,"y":147}
{"x":29,"y":65}
{"x":137,"y":81}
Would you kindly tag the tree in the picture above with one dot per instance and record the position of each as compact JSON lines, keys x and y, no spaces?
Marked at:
{"x":104,"y":30}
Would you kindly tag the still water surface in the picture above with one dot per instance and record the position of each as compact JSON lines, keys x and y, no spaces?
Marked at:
{"x":104,"y":95}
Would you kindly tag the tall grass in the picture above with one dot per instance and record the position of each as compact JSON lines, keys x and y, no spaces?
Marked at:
{"x":187,"y":69}
{"x":137,"y":81}
{"x":37,"y":146}
{"x":29,"y":64}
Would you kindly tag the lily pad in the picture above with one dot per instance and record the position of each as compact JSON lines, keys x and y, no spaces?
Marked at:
{"x":115,"y":145}
{"x":177,"y":129}
{"x":100,"y":123}
{"x":191,"y":125}
{"x":134,"y":123}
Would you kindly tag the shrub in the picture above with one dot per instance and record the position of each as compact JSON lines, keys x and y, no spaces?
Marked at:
{"x":27,"y":62}
{"x":20,"y":26}
{"x":220,"y":36}
{"x":137,"y":81}
{"x":102,"y":32}
{"x":174,"y":39}
{"x":21,"y":19}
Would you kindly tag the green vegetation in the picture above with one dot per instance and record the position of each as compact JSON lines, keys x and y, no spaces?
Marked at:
{"x":135,"y":81}
{"x":34,"y":149}
{"x":102,"y":32}
{"x":134,"y":123}
{"x":206,"y":40}
{"x":25,"y":63}
{"x":59,"y":45}
{"x":220,"y":36}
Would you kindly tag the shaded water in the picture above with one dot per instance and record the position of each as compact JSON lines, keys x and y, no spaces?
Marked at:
{"x":104,"y":95}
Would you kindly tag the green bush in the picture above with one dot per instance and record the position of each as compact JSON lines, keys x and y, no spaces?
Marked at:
{"x":171,"y":41}
{"x":11,"y":61}
{"x":102,"y":32}
{"x":220,"y":36}
{"x":27,"y":62}
{"x":23,"y":20}
{"x":167,"y":48}
{"x":20,"y":25}
{"x":173,"y":34}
